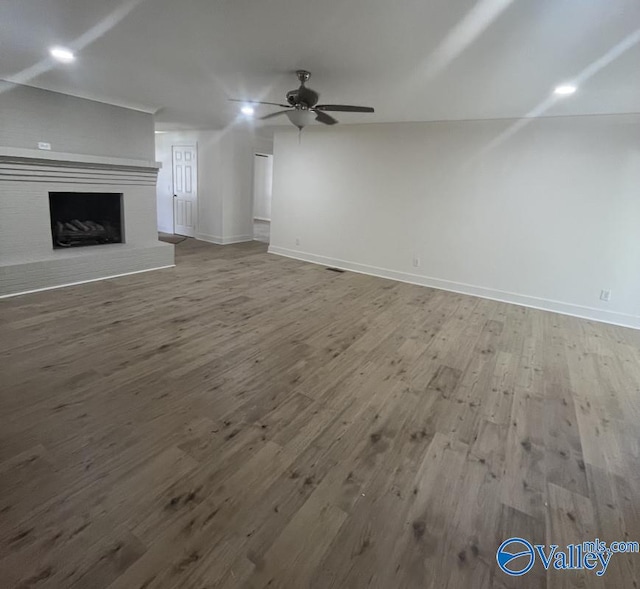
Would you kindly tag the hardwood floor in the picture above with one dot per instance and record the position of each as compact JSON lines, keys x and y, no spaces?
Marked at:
{"x":245,"y":420}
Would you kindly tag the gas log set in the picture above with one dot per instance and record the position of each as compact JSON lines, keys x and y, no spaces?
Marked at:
{"x":77,"y":233}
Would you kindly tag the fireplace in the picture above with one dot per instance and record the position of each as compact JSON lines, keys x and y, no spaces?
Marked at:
{"x":85,"y":218}
{"x":52,"y":203}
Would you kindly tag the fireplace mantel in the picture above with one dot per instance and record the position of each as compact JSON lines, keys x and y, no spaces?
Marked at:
{"x":30,"y":165}
{"x":9,"y":154}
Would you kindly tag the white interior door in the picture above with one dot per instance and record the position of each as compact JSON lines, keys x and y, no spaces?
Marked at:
{"x":185,"y":189}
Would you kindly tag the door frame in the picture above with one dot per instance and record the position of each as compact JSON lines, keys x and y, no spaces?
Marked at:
{"x":253,"y":186}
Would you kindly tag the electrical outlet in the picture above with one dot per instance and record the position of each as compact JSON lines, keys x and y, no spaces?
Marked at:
{"x":416,"y":262}
{"x":605,"y":295}
{"x":44,"y":145}
{"x":297,"y":241}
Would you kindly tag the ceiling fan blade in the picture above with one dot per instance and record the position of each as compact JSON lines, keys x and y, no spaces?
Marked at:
{"x":258,"y":102}
{"x":323,"y":117}
{"x":344,"y":108}
{"x":274,"y":114}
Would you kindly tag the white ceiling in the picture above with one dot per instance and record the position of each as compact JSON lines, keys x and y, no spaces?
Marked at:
{"x":413,"y":60}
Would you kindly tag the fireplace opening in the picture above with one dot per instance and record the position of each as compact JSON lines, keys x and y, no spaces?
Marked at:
{"x":85,"y":218}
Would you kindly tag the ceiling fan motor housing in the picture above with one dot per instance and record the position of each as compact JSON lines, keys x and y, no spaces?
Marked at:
{"x":303,"y":96}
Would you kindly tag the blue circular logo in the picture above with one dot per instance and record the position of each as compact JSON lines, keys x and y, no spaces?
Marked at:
{"x":515,"y":556}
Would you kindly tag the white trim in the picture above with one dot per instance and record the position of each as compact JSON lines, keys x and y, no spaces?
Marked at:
{"x":223,"y":240}
{"x":262,"y":219}
{"x":612,"y":317}
{"x":237,"y":239}
{"x":209,"y":238}
{"x":163,"y":229}
{"x":24,"y":292}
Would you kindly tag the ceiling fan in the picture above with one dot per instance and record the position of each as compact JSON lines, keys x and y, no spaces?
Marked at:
{"x":303,"y":105}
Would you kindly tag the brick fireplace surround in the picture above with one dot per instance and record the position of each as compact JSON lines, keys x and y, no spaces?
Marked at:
{"x":28,"y":261}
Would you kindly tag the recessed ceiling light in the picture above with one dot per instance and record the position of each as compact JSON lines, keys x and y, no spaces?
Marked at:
{"x":247,"y":110}
{"x":565,"y":90}
{"x":62,"y":54}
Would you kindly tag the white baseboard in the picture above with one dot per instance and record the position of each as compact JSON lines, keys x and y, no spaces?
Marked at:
{"x":573,"y":310}
{"x":262,"y":219}
{"x":223,"y":240}
{"x":163,"y":229}
{"x":17,"y":294}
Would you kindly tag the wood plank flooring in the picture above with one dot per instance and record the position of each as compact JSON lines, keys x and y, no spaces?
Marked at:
{"x":245,"y":420}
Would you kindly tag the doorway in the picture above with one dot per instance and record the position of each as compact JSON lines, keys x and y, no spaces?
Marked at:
{"x":185,"y":189}
{"x":262,"y":187}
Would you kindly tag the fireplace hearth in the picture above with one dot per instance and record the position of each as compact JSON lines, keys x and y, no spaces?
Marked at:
{"x":85,"y":218}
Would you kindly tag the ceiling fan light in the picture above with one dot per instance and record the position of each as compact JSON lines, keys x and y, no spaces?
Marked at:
{"x":301,"y":117}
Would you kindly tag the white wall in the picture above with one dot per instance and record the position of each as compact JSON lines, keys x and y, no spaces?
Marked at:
{"x":237,"y":185}
{"x":72,"y":125}
{"x":225,"y":181}
{"x":262,"y":186}
{"x":547,"y":218}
